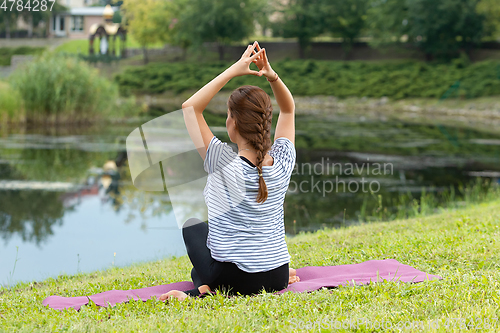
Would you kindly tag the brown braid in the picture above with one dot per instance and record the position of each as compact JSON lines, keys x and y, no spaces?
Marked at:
{"x":253,"y":112}
{"x":262,"y":147}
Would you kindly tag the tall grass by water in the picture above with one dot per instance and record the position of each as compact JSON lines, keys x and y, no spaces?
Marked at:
{"x":10,"y":103}
{"x":62,"y":89}
{"x":408,"y":205}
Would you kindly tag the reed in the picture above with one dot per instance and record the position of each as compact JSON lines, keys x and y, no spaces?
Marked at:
{"x":10,"y":103}
{"x":57,"y":88}
{"x":427,"y":203}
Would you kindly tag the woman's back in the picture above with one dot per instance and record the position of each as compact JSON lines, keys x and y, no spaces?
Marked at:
{"x":241,"y":230}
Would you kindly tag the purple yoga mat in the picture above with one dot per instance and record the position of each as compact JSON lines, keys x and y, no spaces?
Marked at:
{"x":311,"y":278}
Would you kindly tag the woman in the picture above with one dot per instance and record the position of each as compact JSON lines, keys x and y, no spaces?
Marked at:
{"x":242,"y":249}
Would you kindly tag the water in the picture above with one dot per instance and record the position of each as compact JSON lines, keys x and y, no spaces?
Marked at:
{"x":64,"y":210}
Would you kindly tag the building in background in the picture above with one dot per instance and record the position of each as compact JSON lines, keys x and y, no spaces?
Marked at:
{"x":73,"y":23}
{"x":76,"y":23}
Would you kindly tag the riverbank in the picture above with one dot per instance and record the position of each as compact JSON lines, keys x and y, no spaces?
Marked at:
{"x":460,"y":245}
{"x":477,"y":113}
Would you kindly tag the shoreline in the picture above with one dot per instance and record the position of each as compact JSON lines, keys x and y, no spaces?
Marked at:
{"x":479,"y":113}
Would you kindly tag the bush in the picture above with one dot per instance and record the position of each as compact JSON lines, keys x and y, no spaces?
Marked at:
{"x":55,"y":87}
{"x":395,"y":79}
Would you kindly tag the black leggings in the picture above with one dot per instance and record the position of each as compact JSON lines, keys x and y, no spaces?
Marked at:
{"x":225,"y":276}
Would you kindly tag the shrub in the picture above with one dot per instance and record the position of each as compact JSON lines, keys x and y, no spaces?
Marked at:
{"x":394,"y":79}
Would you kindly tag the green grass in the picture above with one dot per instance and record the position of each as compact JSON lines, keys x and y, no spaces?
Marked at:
{"x":82,"y":46}
{"x":460,"y":245}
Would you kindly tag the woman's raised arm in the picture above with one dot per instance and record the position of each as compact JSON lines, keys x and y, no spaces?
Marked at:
{"x":286,"y":119}
{"x":194,"y":106}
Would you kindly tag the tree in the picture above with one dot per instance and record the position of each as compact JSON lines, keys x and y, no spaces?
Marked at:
{"x":220,"y":21}
{"x":387,"y":21}
{"x":441,"y":29}
{"x":445,"y":26}
{"x":491,"y":10}
{"x":301,"y":19}
{"x":345,"y":18}
{"x":7,"y":18}
{"x":179,"y":28}
{"x":33,"y":18}
{"x":146,"y":21}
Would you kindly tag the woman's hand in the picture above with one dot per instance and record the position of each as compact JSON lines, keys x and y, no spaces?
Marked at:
{"x":241,"y":67}
{"x":262,"y":63}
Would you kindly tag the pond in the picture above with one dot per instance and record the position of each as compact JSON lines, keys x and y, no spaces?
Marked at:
{"x":68,"y":204}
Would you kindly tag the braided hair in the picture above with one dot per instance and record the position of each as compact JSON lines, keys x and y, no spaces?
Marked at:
{"x":252,"y":111}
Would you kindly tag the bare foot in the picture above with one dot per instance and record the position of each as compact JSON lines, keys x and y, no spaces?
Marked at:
{"x":204,"y":288}
{"x":293,"y":276}
{"x":180,"y":295}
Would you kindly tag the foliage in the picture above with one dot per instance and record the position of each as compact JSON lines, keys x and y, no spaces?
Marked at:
{"x":445,"y":26}
{"x":180,"y":27}
{"x":117,"y":17}
{"x":387,"y":21}
{"x":345,"y":18}
{"x":491,"y":10}
{"x":221,"y":21}
{"x":146,"y":21}
{"x":395,"y":79}
{"x":55,"y":87}
{"x":301,"y":19}
{"x":439,"y":28}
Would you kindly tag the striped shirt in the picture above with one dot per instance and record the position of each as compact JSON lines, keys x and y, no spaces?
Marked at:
{"x":241,"y":230}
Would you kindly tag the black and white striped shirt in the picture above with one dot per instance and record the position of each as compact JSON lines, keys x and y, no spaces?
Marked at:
{"x":241,"y":230}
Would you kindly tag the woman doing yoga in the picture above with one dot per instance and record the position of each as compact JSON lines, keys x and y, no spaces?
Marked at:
{"x":242,"y":249}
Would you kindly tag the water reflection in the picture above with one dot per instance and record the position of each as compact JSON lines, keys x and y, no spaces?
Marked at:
{"x":29,"y":214}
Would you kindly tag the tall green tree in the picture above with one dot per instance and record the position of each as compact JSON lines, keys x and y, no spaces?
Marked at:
{"x":146,"y":21}
{"x":346,"y":19}
{"x":219,"y":21}
{"x":7,"y":19}
{"x":446,"y":26}
{"x":441,"y":29}
{"x":387,"y":21}
{"x":301,"y":19}
{"x":179,"y":29}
